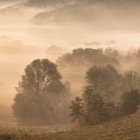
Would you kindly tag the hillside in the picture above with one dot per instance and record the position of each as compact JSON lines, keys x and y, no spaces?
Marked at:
{"x":127,"y":128}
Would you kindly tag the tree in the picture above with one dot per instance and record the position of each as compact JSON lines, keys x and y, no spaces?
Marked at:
{"x":111,"y":52}
{"x":74,"y":65}
{"x":131,"y":81}
{"x":91,"y":109}
{"x":77,"y":109}
{"x":97,"y":109}
{"x":104,"y":80}
{"x":129,"y":102}
{"x":41,"y":96}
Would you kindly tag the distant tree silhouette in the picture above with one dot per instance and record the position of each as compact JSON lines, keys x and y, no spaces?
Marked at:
{"x":41,"y":96}
{"x":87,"y":56}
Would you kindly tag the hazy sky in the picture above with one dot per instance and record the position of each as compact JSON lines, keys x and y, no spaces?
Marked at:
{"x":70,"y":23}
{"x":28,"y":27}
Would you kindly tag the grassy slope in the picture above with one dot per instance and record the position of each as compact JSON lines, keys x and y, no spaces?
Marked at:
{"x":127,"y":128}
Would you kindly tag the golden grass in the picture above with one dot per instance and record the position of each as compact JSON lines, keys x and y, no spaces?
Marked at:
{"x":127,"y":128}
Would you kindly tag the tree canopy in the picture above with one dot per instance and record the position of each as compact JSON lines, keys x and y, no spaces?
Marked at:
{"x":91,"y":109}
{"x":88,"y":56}
{"x":96,"y":104}
{"x":104,"y":80}
{"x":129,"y":102}
{"x":41,"y":95}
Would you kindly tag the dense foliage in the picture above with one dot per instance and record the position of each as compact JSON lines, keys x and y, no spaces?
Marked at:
{"x":104,"y":80}
{"x":41,"y":96}
{"x":88,"y":56}
{"x":98,"y":103}
{"x":108,"y":92}
{"x":129,"y":102}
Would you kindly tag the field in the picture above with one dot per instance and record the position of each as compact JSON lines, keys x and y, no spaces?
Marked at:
{"x":127,"y":128}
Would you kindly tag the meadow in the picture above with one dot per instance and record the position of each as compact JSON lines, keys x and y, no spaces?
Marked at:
{"x":127,"y":128}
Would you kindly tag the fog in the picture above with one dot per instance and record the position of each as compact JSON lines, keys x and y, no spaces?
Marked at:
{"x":31,"y":29}
{"x":14,"y":56}
{"x":70,"y":23}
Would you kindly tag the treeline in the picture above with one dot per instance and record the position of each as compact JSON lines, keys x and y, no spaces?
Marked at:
{"x":107,"y":95}
{"x":104,"y":91}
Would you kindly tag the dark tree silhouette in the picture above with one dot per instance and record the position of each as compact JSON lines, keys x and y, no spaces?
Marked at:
{"x":97,"y":110}
{"x":104,"y":80}
{"x":91,"y":109}
{"x":74,"y":65}
{"x":131,"y":81}
{"x":129,"y":102}
{"x":87,"y":57}
{"x":77,"y":109}
{"x":130,"y":98}
{"x":41,"y":96}
{"x":96,"y":104}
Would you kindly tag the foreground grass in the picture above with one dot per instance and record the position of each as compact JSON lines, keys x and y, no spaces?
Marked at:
{"x":127,"y":128}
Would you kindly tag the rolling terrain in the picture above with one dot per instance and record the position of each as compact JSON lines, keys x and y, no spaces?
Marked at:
{"x":127,"y":128}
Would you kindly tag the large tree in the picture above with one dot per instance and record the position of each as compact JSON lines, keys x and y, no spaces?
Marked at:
{"x":96,"y":104}
{"x":74,"y":65}
{"x":41,"y":96}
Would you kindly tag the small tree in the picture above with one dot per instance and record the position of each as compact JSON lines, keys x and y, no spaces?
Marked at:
{"x":41,"y":96}
{"x":91,"y":109}
{"x":96,"y":108}
{"x":129,"y":102}
{"x":104,"y":80}
{"x":131,"y":81}
{"x":77,"y":109}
